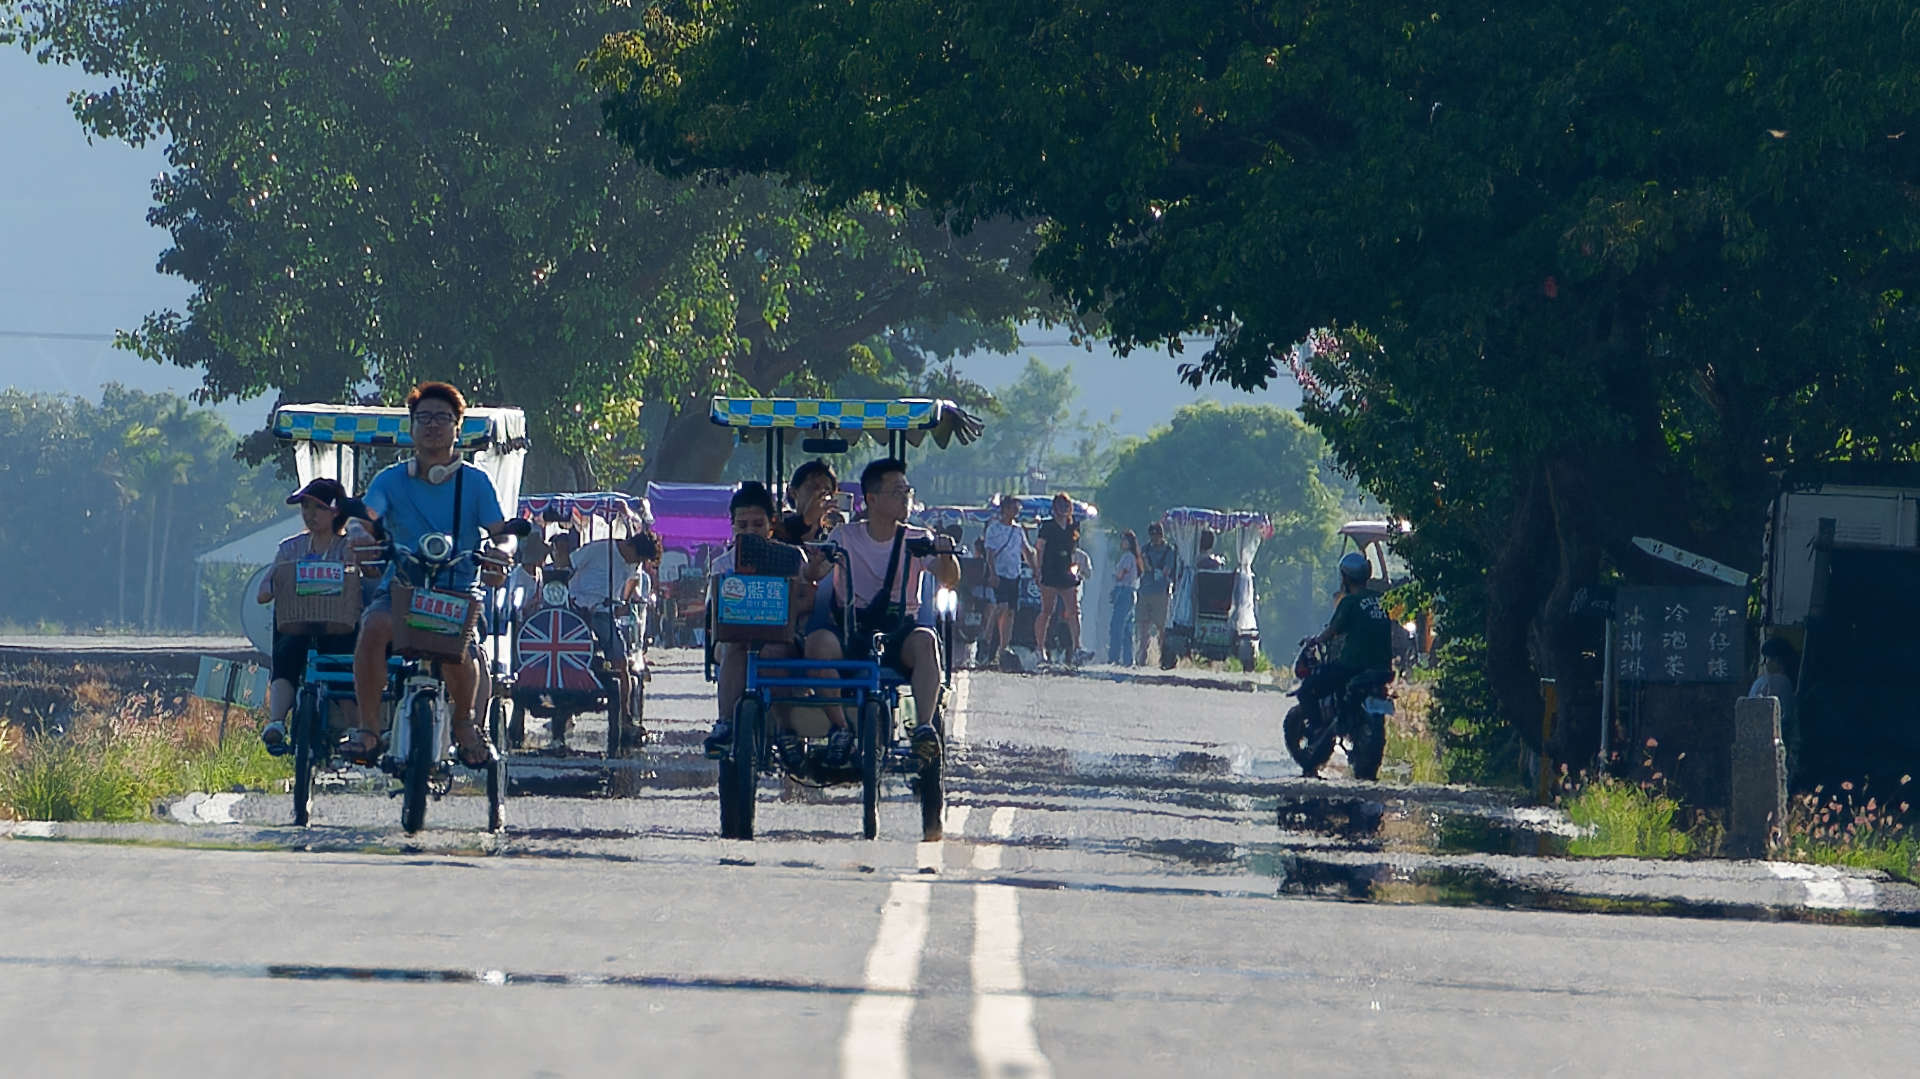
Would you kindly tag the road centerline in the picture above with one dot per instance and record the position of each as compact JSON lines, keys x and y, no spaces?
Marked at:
{"x":1004,"y":1042}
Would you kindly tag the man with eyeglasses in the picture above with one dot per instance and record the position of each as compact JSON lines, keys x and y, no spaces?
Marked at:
{"x":411,"y":499}
{"x":893,"y":608}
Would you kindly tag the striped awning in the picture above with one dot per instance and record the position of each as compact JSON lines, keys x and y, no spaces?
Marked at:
{"x":854,"y":418}
{"x":364,"y":425}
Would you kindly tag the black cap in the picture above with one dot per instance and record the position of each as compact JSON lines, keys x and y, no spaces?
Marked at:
{"x":322,"y":489}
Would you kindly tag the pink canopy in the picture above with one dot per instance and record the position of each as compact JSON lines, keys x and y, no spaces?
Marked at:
{"x":690,"y":515}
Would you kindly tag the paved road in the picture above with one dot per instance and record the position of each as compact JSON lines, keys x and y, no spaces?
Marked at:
{"x":1106,"y":903}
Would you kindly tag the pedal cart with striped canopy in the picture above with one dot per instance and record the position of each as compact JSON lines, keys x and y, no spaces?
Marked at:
{"x":1213,"y":612}
{"x":348,"y":443}
{"x":745,"y":609}
{"x":560,"y":671}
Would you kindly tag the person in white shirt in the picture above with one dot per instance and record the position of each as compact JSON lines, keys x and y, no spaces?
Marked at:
{"x":1008,"y":552}
{"x":607,"y":576}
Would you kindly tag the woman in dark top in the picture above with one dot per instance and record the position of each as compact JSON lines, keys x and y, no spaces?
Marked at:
{"x":1059,"y":577}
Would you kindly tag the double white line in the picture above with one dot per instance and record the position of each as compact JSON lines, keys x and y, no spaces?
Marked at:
{"x":1004,"y":1044}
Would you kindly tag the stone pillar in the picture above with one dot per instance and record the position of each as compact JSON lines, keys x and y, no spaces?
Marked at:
{"x":1759,"y":777}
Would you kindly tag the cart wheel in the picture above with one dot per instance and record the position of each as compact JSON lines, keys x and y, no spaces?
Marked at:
{"x":309,"y":749}
{"x":516,"y":728}
{"x":616,"y":719}
{"x":933,"y":801}
{"x":873,"y":717}
{"x":1308,"y":757}
{"x":419,"y":766}
{"x":749,"y":721}
{"x":1369,"y":745}
{"x":497,"y":771}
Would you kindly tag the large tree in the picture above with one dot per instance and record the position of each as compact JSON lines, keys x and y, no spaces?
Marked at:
{"x":366,"y":193}
{"x":1585,"y":272}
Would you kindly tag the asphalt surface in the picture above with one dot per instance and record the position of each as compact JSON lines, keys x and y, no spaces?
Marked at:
{"x":1124,"y":890}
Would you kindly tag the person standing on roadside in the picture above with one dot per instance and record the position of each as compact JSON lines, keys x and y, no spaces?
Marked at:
{"x":1060,"y":577}
{"x":1158,"y":563}
{"x":1007,"y":552}
{"x":1126,"y":591}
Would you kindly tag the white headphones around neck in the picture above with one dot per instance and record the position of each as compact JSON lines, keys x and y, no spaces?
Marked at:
{"x":436,"y":474}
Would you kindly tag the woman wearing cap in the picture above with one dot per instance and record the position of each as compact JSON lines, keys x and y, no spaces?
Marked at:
{"x":325,"y":540}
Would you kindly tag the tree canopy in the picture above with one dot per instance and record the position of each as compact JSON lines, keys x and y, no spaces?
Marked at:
{"x":113,"y":501}
{"x":1571,"y":274}
{"x":366,"y":194}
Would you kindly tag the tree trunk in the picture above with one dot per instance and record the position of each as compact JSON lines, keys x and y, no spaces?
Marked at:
{"x":1568,"y":639}
{"x":153,"y":533}
{"x":120,"y":603}
{"x":166,"y":541}
{"x":1517,"y":583}
{"x":690,"y":450}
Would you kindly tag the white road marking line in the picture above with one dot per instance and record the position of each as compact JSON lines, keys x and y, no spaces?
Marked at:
{"x":1004,"y":1042}
{"x":957,"y":709}
{"x":875,"y":1043}
{"x":1828,"y":887}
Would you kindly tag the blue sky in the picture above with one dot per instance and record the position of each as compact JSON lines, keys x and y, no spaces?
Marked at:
{"x":77,"y":257}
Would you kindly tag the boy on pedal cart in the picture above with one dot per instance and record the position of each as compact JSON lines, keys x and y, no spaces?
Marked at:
{"x":752,"y":513}
{"x":889,"y":562}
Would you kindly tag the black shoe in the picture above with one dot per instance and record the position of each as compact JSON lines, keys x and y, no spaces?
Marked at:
{"x":720,"y":741}
{"x":926,"y":745}
{"x":275,"y":736}
{"x":793,"y":752}
{"x":839,"y":747}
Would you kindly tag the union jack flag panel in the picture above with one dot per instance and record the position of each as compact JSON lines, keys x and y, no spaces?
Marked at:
{"x":556,"y":652}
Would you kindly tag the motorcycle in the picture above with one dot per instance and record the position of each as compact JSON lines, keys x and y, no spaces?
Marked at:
{"x":1355,"y":713}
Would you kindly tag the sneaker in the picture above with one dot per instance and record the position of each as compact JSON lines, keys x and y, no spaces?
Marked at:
{"x":926,"y":745}
{"x":275,"y":736}
{"x":839,"y":747}
{"x":1080,"y":658}
{"x":720,"y":740}
{"x":793,"y":752}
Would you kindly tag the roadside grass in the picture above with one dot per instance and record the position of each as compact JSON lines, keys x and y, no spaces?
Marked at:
{"x":1850,"y":827}
{"x":1412,"y":742}
{"x":121,"y":754}
{"x":1622,"y":819}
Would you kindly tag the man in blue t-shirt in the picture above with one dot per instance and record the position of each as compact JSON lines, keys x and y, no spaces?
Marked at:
{"x":412,"y":499}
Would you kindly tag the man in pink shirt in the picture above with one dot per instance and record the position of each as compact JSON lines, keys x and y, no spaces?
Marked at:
{"x":889,"y":607}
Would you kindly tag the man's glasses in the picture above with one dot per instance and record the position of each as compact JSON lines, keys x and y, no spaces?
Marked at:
{"x":433,"y":419}
{"x":904,"y":490}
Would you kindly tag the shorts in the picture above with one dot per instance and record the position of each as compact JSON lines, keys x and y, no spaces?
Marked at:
{"x":289,"y":662}
{"x":1067,"y":581}
{"x":613,"y":641}
{"x":1006,"y":591}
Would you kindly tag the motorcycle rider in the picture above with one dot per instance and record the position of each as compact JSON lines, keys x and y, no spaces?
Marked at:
{"x":1366,"y":637}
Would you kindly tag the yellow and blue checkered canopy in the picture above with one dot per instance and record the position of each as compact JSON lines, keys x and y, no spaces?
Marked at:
{"x":917,"y":416}
{"x":360,"y":425}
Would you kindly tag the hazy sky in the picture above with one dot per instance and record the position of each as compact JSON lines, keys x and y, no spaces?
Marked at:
{"x":77,"y":258}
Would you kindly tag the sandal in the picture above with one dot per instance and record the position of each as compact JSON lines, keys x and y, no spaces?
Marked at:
{"x":471,"y":746}
{"x":360,"y":746}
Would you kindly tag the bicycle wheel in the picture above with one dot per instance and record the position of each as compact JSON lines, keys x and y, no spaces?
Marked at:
{"x":309,"y":749}
{"x":749,"y":719}
{"x":497,"y":771}
{"x":419,"y":764}
{"x":873,"y":716}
